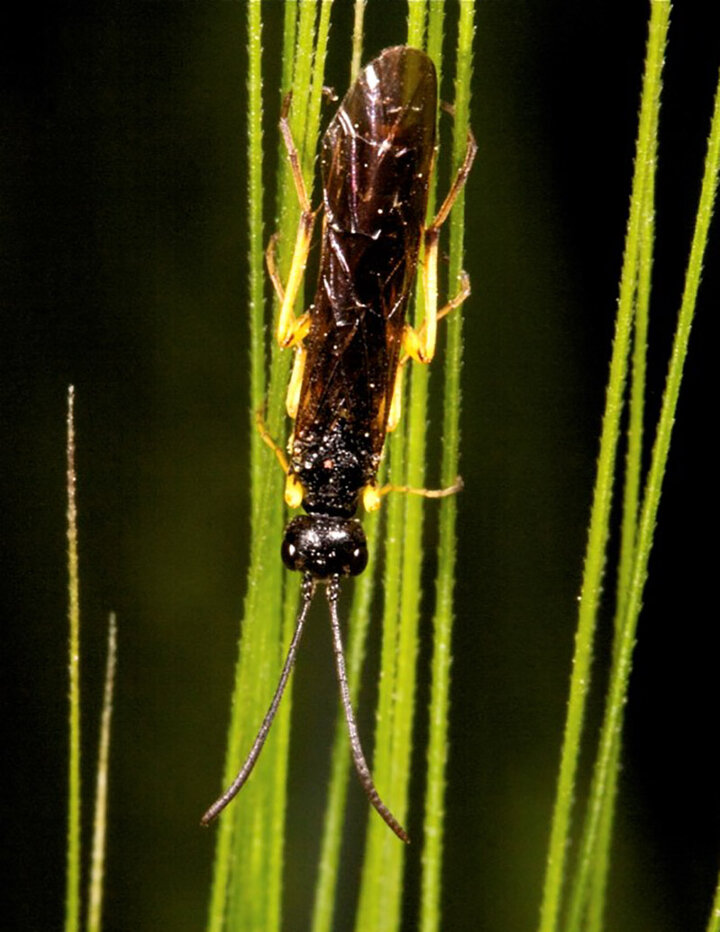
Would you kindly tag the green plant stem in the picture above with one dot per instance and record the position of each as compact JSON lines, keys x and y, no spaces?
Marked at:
{"x":631,"y":497}
{"x":633,"y":460}
{"x":714,"y":920}
{"x":258,"y":847}
{"x":261,"y":610}
{"x":247,"y":883}
{"x":300,"y":110}
{"x":256,"y":279}
{"x":316,"y":91}
{"x":288,"y":58}
{"x":357,"y":40}
{"x":612,"y":723}
{"x":358,"y":625}
{"x":417,"y":12}
{"x":374,"y":887}
{"x":315,"y":80}
{"x":445,"y":585}
{"x":416,"y":422}
{"x":281,"y":728}
{"x":240,"y":712}
{"x":381,"y":888}
{"x":99,"y":845}
{"x":600,"y":512}
{"x":72,"y":878}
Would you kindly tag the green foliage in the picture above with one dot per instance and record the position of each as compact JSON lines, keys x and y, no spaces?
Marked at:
{"x":72,"y":879}
{"x":73,"y":900}
{"x":585,"y":905}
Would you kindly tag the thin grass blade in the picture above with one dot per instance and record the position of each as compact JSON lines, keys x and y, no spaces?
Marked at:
{"x":357,"y":41}
{"x":602,"y":498}
{"x":432,"y":857}
{"x":358,"y":625}
{"x":612,"y":723}
{"x":631,"y":499}
{"x":73,"y":868}
{"x":99,"y":844}
{"x":416,"y":429}
{"x":714,"y":920}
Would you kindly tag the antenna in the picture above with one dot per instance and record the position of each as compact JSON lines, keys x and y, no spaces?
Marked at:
{"x":308,"y":589}
{"x":363,"y":771}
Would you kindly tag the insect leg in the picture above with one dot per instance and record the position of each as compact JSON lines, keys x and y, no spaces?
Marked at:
{"x":420,"y":344}
{"x":363,"y":771}
{"x":419,"y":336}
{"x":291,"y":330}
{"x":458,"y":182}
{"x":292,"y":399}
{"x":268,"y":439}
{"x":270,"y":256}
{"x":372,"y":494}
{"x":293,"y":488}
{"x":396,"y":402}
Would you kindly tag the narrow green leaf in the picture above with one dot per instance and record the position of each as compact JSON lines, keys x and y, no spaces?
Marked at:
{"x":247,"y":885}
{"x":617,"y":694}
{"x":374,"y":884}
{"x":358,"y":625}
{"x":714,"y":920}
{"x":602,"y":498}
{"x":256,"y":278}
{"x":631,"y":497}
{"x":416,"y":427}
{"x":357,"y":41}
{"x":430,"y":916}
{"x":417,"y":14}
{"x":99,"y":845}
{"x":73,"y":870}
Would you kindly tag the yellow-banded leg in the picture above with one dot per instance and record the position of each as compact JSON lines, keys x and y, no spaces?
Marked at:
{"x":293,"y":487}
{"x":372,"y":494}
{"x":292,"y":330}
{"x":419,"y":344}
{"x":412,"y":339}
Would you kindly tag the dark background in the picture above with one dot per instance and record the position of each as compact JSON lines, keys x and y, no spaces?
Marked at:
{"x":123,"y":193}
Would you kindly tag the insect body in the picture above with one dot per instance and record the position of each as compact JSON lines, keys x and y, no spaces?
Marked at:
{"x":344,"y":393}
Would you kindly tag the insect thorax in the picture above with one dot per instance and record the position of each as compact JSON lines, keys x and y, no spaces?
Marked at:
{"x":333,"y":466}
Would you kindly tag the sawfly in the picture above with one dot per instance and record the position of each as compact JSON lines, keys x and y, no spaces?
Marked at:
{"x":352,"y":344}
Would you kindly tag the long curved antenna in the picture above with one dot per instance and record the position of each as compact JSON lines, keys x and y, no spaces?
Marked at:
{"x":308,"y":588}
{"x":363,"y":771}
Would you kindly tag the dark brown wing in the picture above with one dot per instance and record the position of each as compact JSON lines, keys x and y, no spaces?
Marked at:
{"x":377,"y":155}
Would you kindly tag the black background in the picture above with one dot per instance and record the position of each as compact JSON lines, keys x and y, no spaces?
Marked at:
{"x":123,"y":195}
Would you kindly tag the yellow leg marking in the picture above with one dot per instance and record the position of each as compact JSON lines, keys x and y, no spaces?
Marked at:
{"x":294,"y":491}
{"x":292,"y":399}
{"x":428,"y":330}
{"x":396,"y":403}
{"x":271,"y":263}
{"x":420,"y":344}
{"x":372,"y":494}
{"x":415,"y":347}
{"x":265,"y":434}
{"x":291,"y":330}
